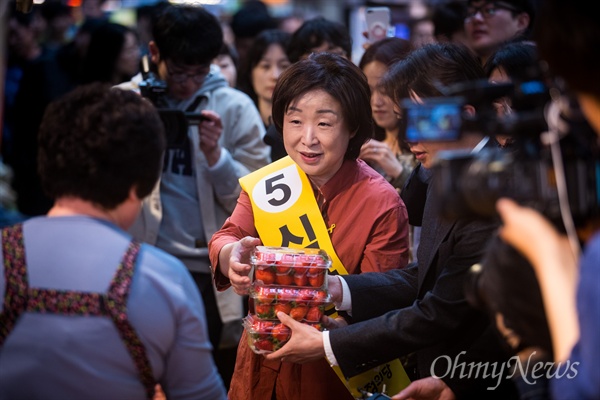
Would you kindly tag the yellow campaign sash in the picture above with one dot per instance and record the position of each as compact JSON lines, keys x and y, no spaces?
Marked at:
{"x":286,"y":214}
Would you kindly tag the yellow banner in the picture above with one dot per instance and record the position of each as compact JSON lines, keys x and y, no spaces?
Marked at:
{"x":286,"y":214}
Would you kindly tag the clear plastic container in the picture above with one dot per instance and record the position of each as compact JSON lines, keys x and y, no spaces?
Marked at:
{"x":283,"y":266}
{"x":301,"y":303}
{"x":268,"y":336}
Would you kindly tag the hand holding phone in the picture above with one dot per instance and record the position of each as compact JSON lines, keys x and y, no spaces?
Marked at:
{"x":378,"y":23}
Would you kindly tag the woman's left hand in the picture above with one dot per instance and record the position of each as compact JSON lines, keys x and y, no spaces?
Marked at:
{"x":239,"y":264}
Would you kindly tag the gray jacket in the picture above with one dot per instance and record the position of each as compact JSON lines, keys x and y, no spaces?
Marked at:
{"x":243,"y":151}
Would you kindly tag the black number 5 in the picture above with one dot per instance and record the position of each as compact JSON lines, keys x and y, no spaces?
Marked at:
{"x":270,"y":188}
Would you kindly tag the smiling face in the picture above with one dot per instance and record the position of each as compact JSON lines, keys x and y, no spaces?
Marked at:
{"x":315,"y":135}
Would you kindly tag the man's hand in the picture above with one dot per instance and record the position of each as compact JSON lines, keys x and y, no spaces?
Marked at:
{"x":239,"y":264}
{"x":426,"y":389}
{"x":334,"y":287}
{"x":210,"y":130}
{"x":333,"y":323}
{"x":305,"y":345}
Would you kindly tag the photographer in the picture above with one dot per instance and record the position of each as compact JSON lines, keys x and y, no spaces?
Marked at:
{"x":571,"y":294}
{"x":421,"y":308}
{"x":199,"y":185}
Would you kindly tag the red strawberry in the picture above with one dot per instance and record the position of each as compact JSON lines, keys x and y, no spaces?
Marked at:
{"x":299,"y":312}
{"x":264,"y":344}
{"x":314,"y":314}
{"x":265,"y":295}
{"x":281,"y":332}
{"x":301,"y":280}
{"x":316,"y":280}
{"x":283,"y":307}
{"x":264,"y":329}
{"x":288,"y":294}
{"x":320,"y":296}
{"x":306,"y":294}
{"x":266,"y":275}
{"x":261,"y":329}
{"x":264,"y":311}
{"x":282,"y":268}
{"x":314,"y":270}
{"x":284,"y":279}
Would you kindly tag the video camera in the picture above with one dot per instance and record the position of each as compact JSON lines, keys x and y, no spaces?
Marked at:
{"x":176,"y":122}
{"x":468,"y":184}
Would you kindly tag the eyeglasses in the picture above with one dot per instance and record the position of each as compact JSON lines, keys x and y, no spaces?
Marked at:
{"x":488,"y":10}
{"x":181,"y":77}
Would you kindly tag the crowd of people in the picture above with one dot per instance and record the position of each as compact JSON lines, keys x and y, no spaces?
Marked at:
{"x":138,"y":163}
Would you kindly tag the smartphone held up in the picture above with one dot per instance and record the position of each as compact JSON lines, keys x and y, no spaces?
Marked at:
{"x":378,"y":21}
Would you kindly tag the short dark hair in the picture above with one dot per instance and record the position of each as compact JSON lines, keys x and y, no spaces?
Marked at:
{"x":518,"y":59}
{"x":96,"y":143}
{"x":187,"y":35}
{"x":342,"y":80}
{"x":386,"y":51}
{"x":251,"y":19}
{"x":448,"y":18}
{"x":427,"y":68}
{"x":255,"y":53}
{"x":316,"y":31}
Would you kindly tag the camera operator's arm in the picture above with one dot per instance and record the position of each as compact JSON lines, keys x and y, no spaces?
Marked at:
{"x":555,"y":266}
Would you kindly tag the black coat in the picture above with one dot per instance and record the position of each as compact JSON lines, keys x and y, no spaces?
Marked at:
{"x":423,"y":309}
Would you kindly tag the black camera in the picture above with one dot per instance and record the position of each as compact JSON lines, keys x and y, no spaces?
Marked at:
{"x":468,"y":183}
{"x":176,"y":122}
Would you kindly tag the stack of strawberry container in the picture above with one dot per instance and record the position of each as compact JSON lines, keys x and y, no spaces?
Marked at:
{"x":293,"y":281}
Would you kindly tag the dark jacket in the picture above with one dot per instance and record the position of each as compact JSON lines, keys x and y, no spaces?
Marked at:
{"x":423,"y":309}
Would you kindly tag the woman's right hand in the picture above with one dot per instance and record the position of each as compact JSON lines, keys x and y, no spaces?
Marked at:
{"x":239,"y":264}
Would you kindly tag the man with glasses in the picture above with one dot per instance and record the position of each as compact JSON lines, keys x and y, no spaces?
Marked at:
{"x":199,"y":186}
{"x":489,"y":24}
